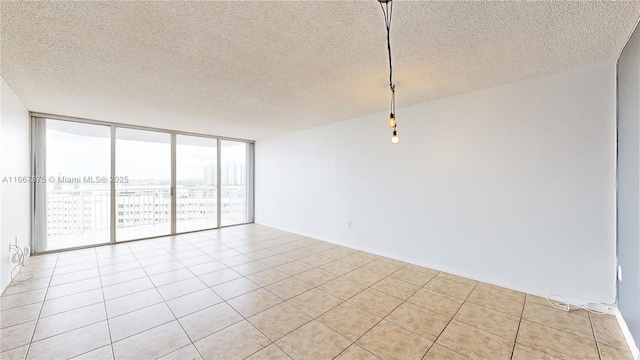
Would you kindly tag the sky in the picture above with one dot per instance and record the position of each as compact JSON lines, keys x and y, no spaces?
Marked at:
{"x":70,"y":154}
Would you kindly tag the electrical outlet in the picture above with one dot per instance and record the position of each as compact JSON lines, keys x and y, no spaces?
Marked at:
{"x":619,"y":273}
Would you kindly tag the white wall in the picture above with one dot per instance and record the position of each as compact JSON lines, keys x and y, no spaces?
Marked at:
{"x":513,"y":185}
{"x":629,"y":184}
{"x":14,"y":161}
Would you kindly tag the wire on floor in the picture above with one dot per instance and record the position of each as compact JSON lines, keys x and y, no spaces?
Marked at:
{"x":562,"y":304}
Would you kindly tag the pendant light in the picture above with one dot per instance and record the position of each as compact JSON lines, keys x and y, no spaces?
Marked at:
{"x":387,"y":11}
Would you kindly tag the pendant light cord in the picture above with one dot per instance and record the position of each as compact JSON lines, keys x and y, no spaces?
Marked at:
{"x":387,"y":10}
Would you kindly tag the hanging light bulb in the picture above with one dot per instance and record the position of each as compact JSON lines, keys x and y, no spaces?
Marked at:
{"x":387,"y":9}
{"x":392,"y":120}
{"x":395,"y":138}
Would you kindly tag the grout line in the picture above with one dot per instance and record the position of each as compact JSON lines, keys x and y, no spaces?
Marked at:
{"x":515,"y":342}
{"x":593,"y":331}
{"x":44,"y":299}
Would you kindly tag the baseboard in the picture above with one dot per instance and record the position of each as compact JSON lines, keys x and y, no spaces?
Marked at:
{"x":627,"y":335}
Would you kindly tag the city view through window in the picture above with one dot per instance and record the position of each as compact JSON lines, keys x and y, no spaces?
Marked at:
{"x":78,"y":186}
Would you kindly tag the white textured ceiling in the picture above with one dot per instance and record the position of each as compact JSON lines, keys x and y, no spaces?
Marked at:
{"x":256,"y":69}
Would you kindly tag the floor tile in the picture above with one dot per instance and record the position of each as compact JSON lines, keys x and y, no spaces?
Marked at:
{"x":288,"y":288}
{"x":22,"y":299}
{"x":103,"y":353}
{"x":356,"y":260}
{"x":376,"y":302}
{"x":121,"y":277}
{"x":413,"y":276}
{"x":355,"y":352}
{"x":276,"y":260}
{"x":129,"y":303}
{"x":33,"y":284}
{"x":70,"y":320}
{"x":382,"y":267}
{"x":138,"y":321}
{"x":475,"y":343}
{"x":558,"y":319}
{"x":611,"y":353}
{"x":16,"y":336}
{"x":250,"y":268}
{"x":460,"y":279}
{"x":607,"y":331}
{"x":14,"y":354}
{"x":169,"y":277}
{"x":294,"y":268}
{"x":389,"y":341}
{"x":394,"y":287}
{"x":188,"y":352}
{"x":180,"y":288}
{"x":521,"y":352}
{"x":18,"y":315}
{"x":271,"y":352}
{"x":313,"y":341}
{"x":219,"y":277}
{"x":235,"y":342}
{"x":171,"y":264}
{"x":116,"y":268}
{"x":316,"y":277}
{"x":435,"y":301}
{"x":235,"y":288}
{"x":449,"y":287}
{"x":439,"y":352}
{"x":72,"y":343}
{"x":363,"y":277}
{"x":555,"y":342}
{"x":207,"y":321}
{"x":199,"y":259}
{"x":501,"y":301}
{"x":337,"y":267}
{"x":266,"y":277}
{"x":193,"y":302}
{"x":349,"y":320}
{"x":419,"y":320}
{"x":165,"y":338}
{"x":314,"y":302}
{"x":490,"y":320}
{"x":254,"y":302}
{"x":342,"y":288}
{"x":236,"y":260}
{"x":207,"y":267}
{"x":279,"y":320}
{"x":74,"y":276}
{"x":126,"y":288}
{"x":316,"y":260}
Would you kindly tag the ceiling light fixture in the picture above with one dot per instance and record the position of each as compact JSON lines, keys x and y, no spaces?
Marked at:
{"x":387,"y":11}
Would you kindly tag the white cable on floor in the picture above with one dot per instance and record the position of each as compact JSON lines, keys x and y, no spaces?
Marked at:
{"x":19,"y":258}
{"x":564,"y":305}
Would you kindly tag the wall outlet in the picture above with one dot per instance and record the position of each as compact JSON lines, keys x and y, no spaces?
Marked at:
{"x":349,"y":224}
{"x":619,"y":273}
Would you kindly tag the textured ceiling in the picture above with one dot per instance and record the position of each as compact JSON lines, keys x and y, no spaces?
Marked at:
{"x":256,"y":69}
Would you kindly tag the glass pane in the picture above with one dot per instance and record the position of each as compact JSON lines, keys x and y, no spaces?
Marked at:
{"x":78,"y":166}
{"x":143,"y":184}
{"x":234,"y":182}
{"x":196,"y":180}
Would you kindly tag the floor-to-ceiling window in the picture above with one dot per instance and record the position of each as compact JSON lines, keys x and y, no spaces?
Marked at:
{"x":234,"y":181}
{"x":143,"y":184}
{"x":196,"y":183}
{"x":75,"y":188}
{"x":102,"y":182}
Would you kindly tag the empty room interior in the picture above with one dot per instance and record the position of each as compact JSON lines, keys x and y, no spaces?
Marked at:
{"x":375,"y":179}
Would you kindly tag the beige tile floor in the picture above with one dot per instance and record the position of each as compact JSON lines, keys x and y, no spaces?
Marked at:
{"x":252,"y":292}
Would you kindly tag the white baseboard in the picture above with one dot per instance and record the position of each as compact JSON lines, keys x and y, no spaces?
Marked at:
{"x":627,"y":335}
